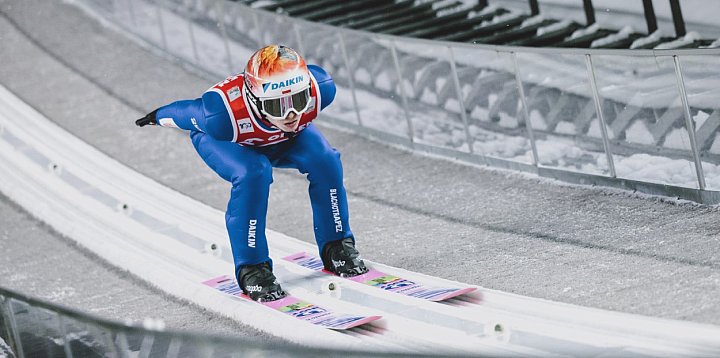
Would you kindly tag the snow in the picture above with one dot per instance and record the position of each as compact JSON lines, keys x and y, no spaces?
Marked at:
{"x":655,"y":36}
{"x":622,"y":34}
{"x":153,"y":324}
{"x":442,"y":3}
{"x":499,"y":19}
{"x":533,"y":21}
{"x":714,"y":44}
{"x":486,"y":10}
{"x":454,"y":9}
{"x":685,"y":40}
{"x":586,"y":31}
{"x":678,"y":138}
{"x":700,"y":119}
{"x":262,"y":3}
{"x":639,"y":133}
{"x":5,"y":351}
{"x":554,"y":27}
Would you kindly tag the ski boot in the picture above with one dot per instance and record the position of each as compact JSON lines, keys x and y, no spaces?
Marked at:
{"x":259,"y":283}
{"x":342,"y":258}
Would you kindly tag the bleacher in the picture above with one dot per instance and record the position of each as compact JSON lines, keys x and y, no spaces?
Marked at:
{"x":486,"y":22}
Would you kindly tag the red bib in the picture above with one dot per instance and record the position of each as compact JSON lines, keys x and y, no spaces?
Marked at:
{"x":247,"y":129}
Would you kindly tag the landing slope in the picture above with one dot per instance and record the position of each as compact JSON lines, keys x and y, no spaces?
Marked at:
{"x":501,"y":230}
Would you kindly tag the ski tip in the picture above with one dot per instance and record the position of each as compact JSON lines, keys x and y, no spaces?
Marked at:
{"x":361,"y":322}
{"x":453,"y":294}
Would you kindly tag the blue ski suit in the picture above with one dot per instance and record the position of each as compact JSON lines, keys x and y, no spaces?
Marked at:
{"x":243,"y":151}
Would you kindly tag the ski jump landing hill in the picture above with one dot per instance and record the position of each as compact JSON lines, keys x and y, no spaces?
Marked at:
{"x":175,"y":242}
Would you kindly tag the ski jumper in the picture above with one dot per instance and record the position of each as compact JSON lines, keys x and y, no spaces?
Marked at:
{"x":242,"y":149}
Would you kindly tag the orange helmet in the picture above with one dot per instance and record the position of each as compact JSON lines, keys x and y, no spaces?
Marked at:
{"x":277,"y":81}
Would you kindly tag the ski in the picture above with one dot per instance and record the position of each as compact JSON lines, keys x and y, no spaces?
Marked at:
{"x":385,"y":281}
{"x":295,"y":307}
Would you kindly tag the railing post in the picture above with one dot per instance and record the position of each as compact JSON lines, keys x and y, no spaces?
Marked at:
{"x":161,"y":26}
{"x":393,"y":51}
{"x":146,"y":346}
{"x":589,"y":12}
{"x":461,"y":99}
{"x":123,"y":344}
{"x":650,"y":17}
{"x":173,"y":348}
{"x":12,"y":326}
{"x":689,"y":123}
{"x":350,"y":74}
{"x":110,"y":342}
{"x":526,"y":112}
{"x":63,"y":331}
{"x":534,"y":7}
{"x":220,"y":8}
{"x":601,"y":116}
{"x":677,"y":18}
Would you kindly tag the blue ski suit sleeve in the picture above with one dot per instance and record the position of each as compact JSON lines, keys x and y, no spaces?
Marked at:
{"x":326,"y":84}
{"x":207,"y":114}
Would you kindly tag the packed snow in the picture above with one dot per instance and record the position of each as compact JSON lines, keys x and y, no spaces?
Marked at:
{"x":624,"y":33}
{"x":554,"y":27}
{"x":654,"y":37}
{"x":691,"y":37}
{"x":585,"y":31}
{"x":5,"y":351}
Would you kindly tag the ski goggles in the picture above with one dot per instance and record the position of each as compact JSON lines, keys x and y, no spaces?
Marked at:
{"x":279,"y":108}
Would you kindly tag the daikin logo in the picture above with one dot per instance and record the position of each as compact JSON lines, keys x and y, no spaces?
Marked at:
{"x":282,"y":84}
{"x":251,"y":233}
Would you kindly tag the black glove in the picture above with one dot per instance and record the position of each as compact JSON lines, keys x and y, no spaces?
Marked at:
{"x":149,"y":119}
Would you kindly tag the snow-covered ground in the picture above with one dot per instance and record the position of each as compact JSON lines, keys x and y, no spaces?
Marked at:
{"x":601,"y":248}
{"x":165,"y":237}
{"x":5,"y":351}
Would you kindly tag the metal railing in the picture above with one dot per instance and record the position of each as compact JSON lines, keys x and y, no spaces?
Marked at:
{"x":638,"y":119}
{"x":35,"y":328}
